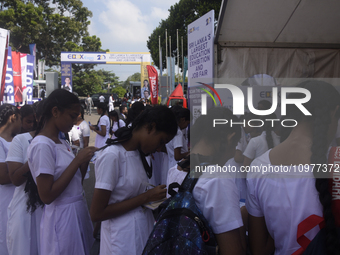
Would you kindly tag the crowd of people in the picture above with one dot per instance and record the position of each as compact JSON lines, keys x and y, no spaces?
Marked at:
{"x":139,"y":152}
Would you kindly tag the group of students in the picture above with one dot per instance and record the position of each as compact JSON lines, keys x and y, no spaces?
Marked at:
{"x":49,"y":178}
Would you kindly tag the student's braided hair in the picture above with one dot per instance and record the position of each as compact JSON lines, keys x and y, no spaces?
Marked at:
{"x":159,"y":117}
{"x":102,"y":106}
{"x":7,"y":110}
{"x":324,"y":99}
{"x":62,"y":99}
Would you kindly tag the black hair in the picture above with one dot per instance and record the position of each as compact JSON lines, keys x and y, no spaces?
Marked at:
{"x":7,"y":110}
{"x":159,"y":117}
{"x":102,"y":106}
{"x":181,"y":112}
{"x":121,"y":108}
{"x":266,"y":104}
{"x":82,"y":112}
{"x":26,"y":110}
{"x":135,"y":109}
{"x":324,"y":99}
{"x":114,"y":114}
{"x":62,"y":99}
{"x":203,"y":129}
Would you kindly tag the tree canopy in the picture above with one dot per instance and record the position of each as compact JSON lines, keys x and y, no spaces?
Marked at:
{"x":56,"y":26}
{"x":181,"y":15}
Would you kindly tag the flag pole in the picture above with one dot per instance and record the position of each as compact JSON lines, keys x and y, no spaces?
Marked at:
{"x":166,"y":62}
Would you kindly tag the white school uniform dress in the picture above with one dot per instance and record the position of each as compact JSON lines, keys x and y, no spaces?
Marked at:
{"x":6,"y":195}
{"x":66,"y":227}
{"x":284,"y":200}
{"x":159,"y":168}
{"x":83,"y":130}
{"x":217,"y":197}
{"x":258,"y":145}
{"x":23,"y":228}
{"x":115,"y":127}
{"x":101,"y":140}
{"x":176,"y":142}
{"x":122,"y":173}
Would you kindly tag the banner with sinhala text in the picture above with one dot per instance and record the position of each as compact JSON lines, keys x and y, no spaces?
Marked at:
{"x":153,"y":78}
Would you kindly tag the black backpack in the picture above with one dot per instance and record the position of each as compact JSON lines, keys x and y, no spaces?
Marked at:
{"x":181,"y":227}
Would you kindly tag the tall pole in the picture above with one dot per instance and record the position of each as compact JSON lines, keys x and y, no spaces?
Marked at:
{"x":177,"y":57}
{"x":182,"y":65}
{"x":166,"y":62}
{"x":170,"y":55}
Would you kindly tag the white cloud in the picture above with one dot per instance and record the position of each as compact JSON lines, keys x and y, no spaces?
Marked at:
{"x":159,"y":14}
{"x":124,"y":22}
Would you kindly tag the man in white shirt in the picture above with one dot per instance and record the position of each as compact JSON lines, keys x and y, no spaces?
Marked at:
{"x":89,"y":104}
{"x":101,"y":99}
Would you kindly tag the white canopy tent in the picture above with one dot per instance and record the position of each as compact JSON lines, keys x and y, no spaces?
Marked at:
{"x":282,"y":38}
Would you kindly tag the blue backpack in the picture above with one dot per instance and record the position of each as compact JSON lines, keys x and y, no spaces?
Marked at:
{"x":181,"y":227}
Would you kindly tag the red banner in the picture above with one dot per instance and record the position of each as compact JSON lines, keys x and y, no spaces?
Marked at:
{"x":153,"y":80}
{"x":17,"y":76}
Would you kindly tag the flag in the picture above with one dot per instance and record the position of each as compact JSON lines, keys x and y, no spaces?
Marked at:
{"x":153,"y":78}
{"x":29,"y":79}
{"x":8,"y":96}
{"x":41,"y":69}
{"x":4,"y":40}
{"x":17,"y":76}
{"x":33,"y":51}
{"x":185,"y":68}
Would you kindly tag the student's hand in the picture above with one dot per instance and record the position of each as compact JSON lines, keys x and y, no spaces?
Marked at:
{"x":156,"y":194}
{"x":84,"y":155}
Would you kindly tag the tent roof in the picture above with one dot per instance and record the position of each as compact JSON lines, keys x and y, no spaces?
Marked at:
{"x":280,"y":23}
{"x":178,"y":91}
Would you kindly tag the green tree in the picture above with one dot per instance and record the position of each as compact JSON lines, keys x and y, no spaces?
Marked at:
{"x":120,"y":91}
{"x":134,"y":77}
{"x":181,"y":15}
{"x":54,"y":26}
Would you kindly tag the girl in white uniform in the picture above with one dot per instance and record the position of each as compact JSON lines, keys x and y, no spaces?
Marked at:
{"x":116,"y":123}
{"x":82,"y":129}
{"x":10,"y":125}
{"x":279,"y":203}
{"x":65,"y":226}
{"x":22,"y":226}
{"x":103,"y":126}
{"x":215,"y":194}
{"x":122,"y":183}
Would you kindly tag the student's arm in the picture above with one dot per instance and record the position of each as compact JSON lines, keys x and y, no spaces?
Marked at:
{"x":238,"y":156}
{"x":76,"y":142}
{"x":86,"y":140}
{"x":4,"y":176}
{"x":247,"y":161}
{"x":260,"y":242}
{"x":232,"y":242}
{"x":101,"y":209}
{"x":49,"y":189}
{"x":178,"y":155}
{"x":16,"y":172}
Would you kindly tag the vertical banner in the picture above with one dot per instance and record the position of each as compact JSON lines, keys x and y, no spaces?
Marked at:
{"x":23,"y":63}
{"x":185,"y":69}
{"x":144,"y":77}
{"x":9,"y":86}
{"x":33,"y":51}
{"x":201,"y":61}
{"x":171,"y":68}
{"x":29,"y":79}
{"x":153,"y":78}
{"x":66,"y":76}
{"x":17,"y":76}
{"x":4,"y":40}
{"x":41,"y":69}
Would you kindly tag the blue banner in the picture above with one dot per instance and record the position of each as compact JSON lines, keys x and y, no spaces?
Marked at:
{"x":9,"y":85}
{"x":29,"y":79}
{"x":33,"y":50}
{"x":66,"y":76}
{"x":171,"y":73}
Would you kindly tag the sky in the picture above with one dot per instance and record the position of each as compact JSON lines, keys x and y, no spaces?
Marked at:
{"x":124,"y":26}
